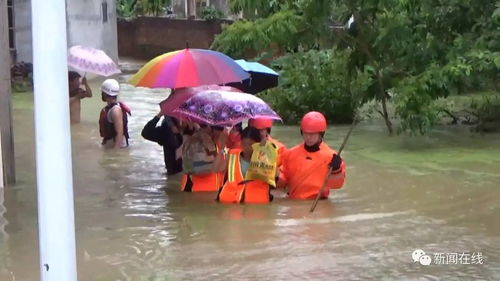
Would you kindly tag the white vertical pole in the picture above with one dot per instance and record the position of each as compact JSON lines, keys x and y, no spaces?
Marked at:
{"x":56,"y":226}
{"x":186,"y":10}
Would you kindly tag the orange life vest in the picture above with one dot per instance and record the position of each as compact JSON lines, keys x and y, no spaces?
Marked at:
{"x":233,"y":140}
{"x":236,"y":190}
{"x":256,"y":191}
{"x":202,"y":182}
{"x":304,"y":172}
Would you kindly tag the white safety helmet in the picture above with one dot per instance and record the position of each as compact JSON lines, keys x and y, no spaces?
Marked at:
{"x":110,"y":87}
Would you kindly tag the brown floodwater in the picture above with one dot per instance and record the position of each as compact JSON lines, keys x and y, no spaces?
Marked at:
{"x":439,"y":193}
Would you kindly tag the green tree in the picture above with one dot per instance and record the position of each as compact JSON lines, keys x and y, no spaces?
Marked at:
{"x":126,"y":8}
{"x":415,"y":51}
{"x":317,"y":80}
{"x":211,"y":14}
{"x":154,"y":7}
{"x":132,"y":8}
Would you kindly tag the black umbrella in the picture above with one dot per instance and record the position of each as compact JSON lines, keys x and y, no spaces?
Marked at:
{"x":261,"y":78}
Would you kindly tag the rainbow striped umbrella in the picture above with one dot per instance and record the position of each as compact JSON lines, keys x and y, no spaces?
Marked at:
{"x":189,"y":68}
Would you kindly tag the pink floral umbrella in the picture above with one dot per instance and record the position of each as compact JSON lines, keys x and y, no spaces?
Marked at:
{"x":221,"y":108}
{"x":178,"y":96}
{"x":92,"y":60}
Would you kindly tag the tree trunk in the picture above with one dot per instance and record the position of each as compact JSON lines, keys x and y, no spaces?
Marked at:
{"x":366,"y":49}
{"x":388,"y":122}
{"x":383,"y":96}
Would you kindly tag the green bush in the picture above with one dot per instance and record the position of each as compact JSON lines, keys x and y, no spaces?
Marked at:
{"x":320,"y":81}
{"x":487,"y":111}
{"x":211,"y":14}
{"x":126,"y":8}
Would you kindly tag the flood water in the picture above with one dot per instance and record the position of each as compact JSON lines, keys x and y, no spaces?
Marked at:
{"x":439,"y":193}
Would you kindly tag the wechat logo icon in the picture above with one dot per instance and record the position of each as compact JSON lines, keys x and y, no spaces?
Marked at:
{"x":419,"y":256}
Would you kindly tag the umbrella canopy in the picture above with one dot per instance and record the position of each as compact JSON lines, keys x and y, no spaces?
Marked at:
{"x":177,"y":97}
{"x":222,"y":108}
{"x":92,"y":60}
{"x":189,"y":68}
{"x":261,"y":77}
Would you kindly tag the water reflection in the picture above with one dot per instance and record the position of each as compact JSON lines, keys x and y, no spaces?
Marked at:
{"x":4,"y":236}
{"x":435,"y":193}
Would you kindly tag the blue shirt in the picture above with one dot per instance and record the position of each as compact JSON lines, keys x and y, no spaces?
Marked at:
{"x":244,"y":166}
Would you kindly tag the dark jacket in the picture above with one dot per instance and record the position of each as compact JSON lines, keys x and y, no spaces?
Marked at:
{"x":163,"y":136}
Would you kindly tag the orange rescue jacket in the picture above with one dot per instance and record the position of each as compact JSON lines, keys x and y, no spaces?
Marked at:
{"x":236,"y":190}
{"x":233,"y":140}
{"x":304,"y":172}
{"x":202,"y":182}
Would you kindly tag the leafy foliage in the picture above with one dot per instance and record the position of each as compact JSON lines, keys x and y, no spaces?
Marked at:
{"x":126,"y":8}
{"x":132,"y":8}
{"x":211,"y":14}
{"x":256,"y":37}
{"x":317,"y":80}
{"x":154,"y":7}
{"x":257,"y":8}
{"x":414,"y":51}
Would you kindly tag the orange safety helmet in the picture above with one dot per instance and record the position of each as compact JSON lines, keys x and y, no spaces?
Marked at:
{"x":261,"y":123}
{"x":313,"y":122}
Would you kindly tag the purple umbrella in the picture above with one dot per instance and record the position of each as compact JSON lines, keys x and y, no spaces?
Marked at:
{"x":223,"y":108}
{"x":178,"y":96}
{"x":91,"y":60}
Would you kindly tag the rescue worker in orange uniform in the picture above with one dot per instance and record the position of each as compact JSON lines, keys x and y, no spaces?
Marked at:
{"x":236,"y":189}
{"x":208,"y":181}
{"x":306,"y":165}
{"x":264,"y":126}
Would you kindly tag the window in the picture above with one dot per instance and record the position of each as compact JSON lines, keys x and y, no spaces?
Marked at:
{"x":200,"y":4}
{"x":104,"y":6}
{"x":10,"y":15}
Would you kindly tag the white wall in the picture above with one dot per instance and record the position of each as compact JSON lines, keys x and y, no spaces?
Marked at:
{"x":22,"y":29}
{"x":86,"y":26}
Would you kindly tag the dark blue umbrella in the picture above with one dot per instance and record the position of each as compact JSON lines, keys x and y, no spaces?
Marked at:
{"x":261,"y":77}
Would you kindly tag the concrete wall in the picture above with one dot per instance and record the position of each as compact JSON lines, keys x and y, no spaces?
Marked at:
{"x":147,"y":37}
{"x":222,"y":5}
{"x":22,"y":25}
{"x":86,"y":26}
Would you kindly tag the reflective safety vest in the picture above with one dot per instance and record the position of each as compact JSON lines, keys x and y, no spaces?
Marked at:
{"x":304,"y":172}
{"x":234,"y":173}
{"x":236,"y":190}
